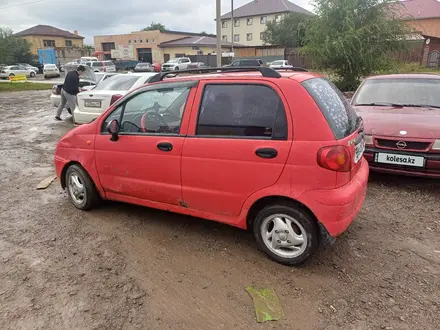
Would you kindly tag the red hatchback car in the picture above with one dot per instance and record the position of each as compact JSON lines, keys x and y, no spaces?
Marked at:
{"x":401,"y":114}
{"x":280,"y":154}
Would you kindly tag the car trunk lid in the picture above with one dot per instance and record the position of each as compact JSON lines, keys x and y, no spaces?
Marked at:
{"x":97,"y":101}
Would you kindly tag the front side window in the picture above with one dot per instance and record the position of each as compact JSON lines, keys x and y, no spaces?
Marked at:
{"x":242,"y":110}
{"x":157,"y":111}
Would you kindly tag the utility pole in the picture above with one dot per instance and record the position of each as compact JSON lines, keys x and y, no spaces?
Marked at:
{"x":219,"y":32}
{"x":232,"y":24}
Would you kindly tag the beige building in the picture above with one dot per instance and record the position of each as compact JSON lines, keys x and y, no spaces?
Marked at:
{"x":151,"y":46}
{"x":250,"y":20}
{"x":45,"y":36}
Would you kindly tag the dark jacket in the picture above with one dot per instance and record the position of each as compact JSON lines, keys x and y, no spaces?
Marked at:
{"x":71,"y":83}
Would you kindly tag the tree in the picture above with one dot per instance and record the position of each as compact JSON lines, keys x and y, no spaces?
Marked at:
{"x":13,"y":49}
{"x":203,"y":33}
{"x":289,"y":32}
{"x":155,"y":26}
{"x":354,"y":38}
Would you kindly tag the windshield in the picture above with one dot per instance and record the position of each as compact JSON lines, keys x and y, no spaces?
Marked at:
{"x":117,"y":83}
{"x":399,"y":92}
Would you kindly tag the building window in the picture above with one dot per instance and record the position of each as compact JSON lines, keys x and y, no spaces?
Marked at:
{"x":236,"y":37}
{"x":108,"y":46}
{"x":263,"y":19}
{"x":277,"y":18}
{"x":236,"y":22}
{"x":261,"y":35}
{"x":196,"y":48}
{"x":249,"y":37}
{"x":224,"y":24}
{"x":129,"y":41}
{"x":177,"y":55}
{"x":68,"y":43}
{"x":153,"y":41}
{"x":250,"y":21}
{"x":147,"y":41}
{"x":224,"y":38}
{"x":49,"y":43}
{"x":135,"y":41}
{"x":141,"y":41}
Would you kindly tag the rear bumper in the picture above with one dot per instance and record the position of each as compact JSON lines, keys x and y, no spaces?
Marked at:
{"x":431,"y":169}
{"x":84,"y":117}
{"x":335,"y":209}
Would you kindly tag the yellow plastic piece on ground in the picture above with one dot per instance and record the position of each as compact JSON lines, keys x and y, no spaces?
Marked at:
{"x":266,"y":304}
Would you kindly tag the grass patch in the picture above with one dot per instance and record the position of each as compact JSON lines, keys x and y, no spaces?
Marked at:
{"x":26,"y":86}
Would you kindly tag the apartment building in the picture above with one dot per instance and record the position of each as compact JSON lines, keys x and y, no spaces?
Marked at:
{"x":250,"y":20}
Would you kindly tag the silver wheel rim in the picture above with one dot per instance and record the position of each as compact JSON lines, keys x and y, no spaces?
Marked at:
{"x":76,"y":187}
{"x":284,"y":235}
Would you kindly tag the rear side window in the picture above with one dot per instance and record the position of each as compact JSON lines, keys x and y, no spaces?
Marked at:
{"x":340,"y":116}
{"x":239,"y":110}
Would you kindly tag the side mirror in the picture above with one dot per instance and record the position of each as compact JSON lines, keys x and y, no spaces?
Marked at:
{"x":113,"y":129}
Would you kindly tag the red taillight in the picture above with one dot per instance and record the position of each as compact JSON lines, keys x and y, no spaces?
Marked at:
{"x":115,"y":98}
{"x":336,"y":158}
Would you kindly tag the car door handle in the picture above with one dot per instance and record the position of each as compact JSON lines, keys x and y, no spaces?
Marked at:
{"x":165,"y":146}
{"x":266,"y":152}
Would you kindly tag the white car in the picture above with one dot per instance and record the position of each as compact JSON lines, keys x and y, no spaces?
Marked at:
{"x":175,"y":64}
{"x":51,"y":70}
{"x":91,"y":104}
{"x":281,"y":64}
{"x":28,"y":66}
{"x":86,"y":83}
{"x":102,"y":66}
{"x":16,"y":70}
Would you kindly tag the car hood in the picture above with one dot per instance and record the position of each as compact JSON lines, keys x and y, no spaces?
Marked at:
{"x":388,"y":121}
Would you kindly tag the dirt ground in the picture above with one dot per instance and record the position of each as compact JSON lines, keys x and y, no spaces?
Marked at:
{"x":127,"y":267}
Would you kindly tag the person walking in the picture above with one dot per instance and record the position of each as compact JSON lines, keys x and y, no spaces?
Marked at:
{"x":69,"y":90}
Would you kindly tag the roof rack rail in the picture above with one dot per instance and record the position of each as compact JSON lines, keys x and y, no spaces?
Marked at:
{"x":265,"y":72}
{"x":295,"y":68}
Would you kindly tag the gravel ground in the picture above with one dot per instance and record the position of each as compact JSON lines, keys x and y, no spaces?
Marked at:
{"x":127,"y":267}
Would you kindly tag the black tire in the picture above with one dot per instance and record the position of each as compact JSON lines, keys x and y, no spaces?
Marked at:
{"x":308,"y":224}
{"x":32,"y":74}
{"x":45,"y":77}
{"x":11,"y":75}
{"x":91,"y":196}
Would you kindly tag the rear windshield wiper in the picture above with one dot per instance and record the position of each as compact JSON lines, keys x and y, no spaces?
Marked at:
{"x":422,"y":106}
{"x":382,"y":104}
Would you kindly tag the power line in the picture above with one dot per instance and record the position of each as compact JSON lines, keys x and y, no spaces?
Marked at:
{"x":22,"y":4}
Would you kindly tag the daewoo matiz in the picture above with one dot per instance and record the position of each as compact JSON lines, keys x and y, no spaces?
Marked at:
{"x":280,"y":153}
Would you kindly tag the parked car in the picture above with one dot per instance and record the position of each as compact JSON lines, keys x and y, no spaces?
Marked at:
{"x":281,"y":64}
{"x":176,"y":64}
{"x":197,"y":65}
{"x":144,"y":67}
{"x":101,"y":66}
{"x":88,"y":59}
{"x":247,"y":62}
{"x":277,"y":153}
{"x":401,"y":114}
{"x":85,"y":83}
{"x":93,"y":103}
{"x":16,"y":70}
{"x":28,"y":66}
{"x":109,"y":66}
{"x":51,"y":70}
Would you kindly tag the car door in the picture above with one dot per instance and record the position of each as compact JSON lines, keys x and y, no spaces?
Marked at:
{"x":238,"y":143}
{"x":144,"y":162}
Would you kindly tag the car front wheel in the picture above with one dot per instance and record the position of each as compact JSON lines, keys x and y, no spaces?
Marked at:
{"x":286,"y":233}
{"x":81,"y":189}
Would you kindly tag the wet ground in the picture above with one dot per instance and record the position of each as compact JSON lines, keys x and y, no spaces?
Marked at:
{"x":127,"y":267}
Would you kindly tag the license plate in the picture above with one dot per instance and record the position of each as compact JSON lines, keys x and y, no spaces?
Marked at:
{"x":396,"y":159}
{"x":359,"y":151}
{"x":92,"y":104}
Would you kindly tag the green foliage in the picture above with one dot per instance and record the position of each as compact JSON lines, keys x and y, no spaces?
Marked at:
{"x":13,"y":49}
{"x":155,"y":26}
{"x":354,"y":38}
{"x":23,"y":86}
{"x":290,"y":32}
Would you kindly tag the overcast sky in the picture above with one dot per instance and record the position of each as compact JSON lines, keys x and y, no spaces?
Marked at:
{"x":99,"y":17}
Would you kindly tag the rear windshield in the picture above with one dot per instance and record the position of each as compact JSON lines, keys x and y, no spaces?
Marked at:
{"x":340,"y":116}
{"x":401,"y":91}
{"x":117,"y":83}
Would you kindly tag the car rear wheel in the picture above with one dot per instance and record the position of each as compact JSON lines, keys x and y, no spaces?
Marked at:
{"x":11,"y":75}
{"x":81,"y":189}
{"x":286,"y":233}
